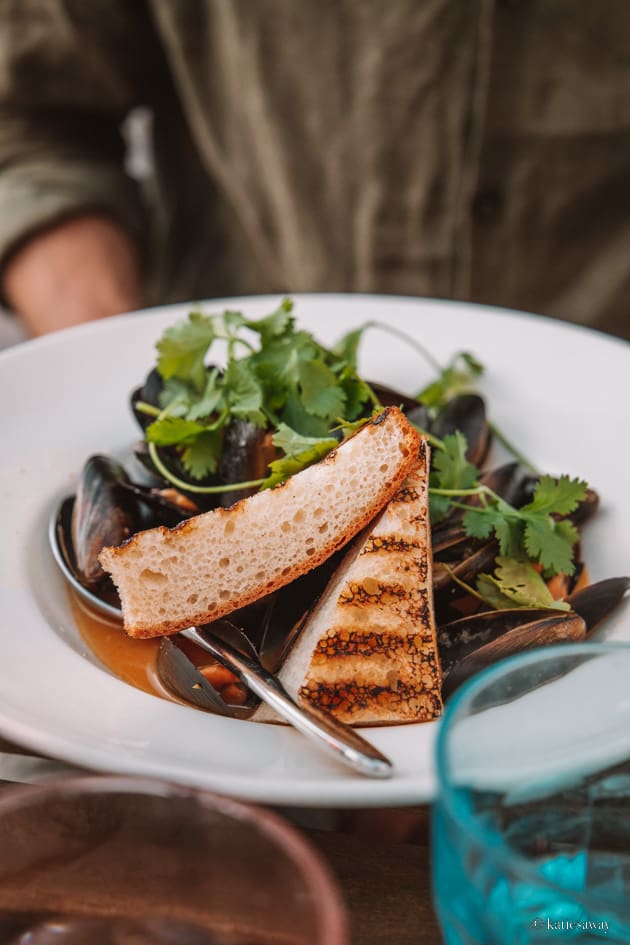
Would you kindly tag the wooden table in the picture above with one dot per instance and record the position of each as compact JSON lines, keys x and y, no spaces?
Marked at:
{"x":386,"y":883}
{"x":381,"y":861}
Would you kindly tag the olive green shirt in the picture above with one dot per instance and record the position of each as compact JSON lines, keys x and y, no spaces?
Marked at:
{"x":470,"y":149}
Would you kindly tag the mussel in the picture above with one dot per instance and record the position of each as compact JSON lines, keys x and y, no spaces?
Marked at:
{"x":466,"y":413}
{"x":472,"y":643}
{"x":536,"y":629}
{"x":202,"y":682}
{"x":103,"y":514}
{"x":107,"y":509}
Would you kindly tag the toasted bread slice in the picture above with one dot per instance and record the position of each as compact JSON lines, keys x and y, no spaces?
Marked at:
{"x":221,"y":560}
{"x":368,"y":652}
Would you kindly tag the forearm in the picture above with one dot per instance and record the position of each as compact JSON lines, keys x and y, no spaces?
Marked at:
{"x":78,"y":270}
{"x":70,"y":74}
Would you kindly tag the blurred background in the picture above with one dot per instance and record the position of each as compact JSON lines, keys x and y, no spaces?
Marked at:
{"x":166,"y":151}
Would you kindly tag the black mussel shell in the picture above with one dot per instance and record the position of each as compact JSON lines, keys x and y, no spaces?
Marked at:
{"x":461,"y":637}
{"x":595,"y":602}
{"x":148,"y":393}
{"x":557,"y":627}
{"x":104,"y":513}
{"x":467,"y":413}
{"x":246,"y":454}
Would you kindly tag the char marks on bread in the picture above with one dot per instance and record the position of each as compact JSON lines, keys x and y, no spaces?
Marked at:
{"x":219,"y":561}
{"x":368,"y":651}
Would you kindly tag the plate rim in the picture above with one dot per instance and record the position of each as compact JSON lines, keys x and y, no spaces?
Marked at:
{"x":407,"y":789}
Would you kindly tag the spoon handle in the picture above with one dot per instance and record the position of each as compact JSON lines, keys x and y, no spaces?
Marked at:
{"x":335,"y":737}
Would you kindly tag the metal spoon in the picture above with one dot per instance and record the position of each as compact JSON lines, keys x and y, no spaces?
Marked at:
{"x":335,"y":737}
{"x":183,"y":679}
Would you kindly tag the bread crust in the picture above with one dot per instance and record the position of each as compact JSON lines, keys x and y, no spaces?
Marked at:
{"x":368,"y":651}
{"x":221,"y":560}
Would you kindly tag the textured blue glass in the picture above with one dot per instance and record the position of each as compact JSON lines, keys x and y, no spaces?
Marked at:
{"x":551,"y":865}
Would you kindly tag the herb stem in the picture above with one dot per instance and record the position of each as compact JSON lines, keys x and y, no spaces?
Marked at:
{"x":432,"y":440}
{"x":457,"y":580}
{"x":403,"y":336}
{"x":191,"y":487}
{"x":475,"y":490}
{"x":149,"y":409}
{"x":509,"y":446}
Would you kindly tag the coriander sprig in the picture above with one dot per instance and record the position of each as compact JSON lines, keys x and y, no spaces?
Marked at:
{"x":276,"y":377}
{"x":280,"y":379}
{"x":538,"y":530}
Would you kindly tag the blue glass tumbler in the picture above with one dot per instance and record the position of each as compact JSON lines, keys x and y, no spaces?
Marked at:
{"x":531,"y":825}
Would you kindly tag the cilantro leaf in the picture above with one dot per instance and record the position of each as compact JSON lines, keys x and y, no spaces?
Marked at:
{"x":456,"y":378}
{"x":176,"y":396}
{"x":182,"y":349}
{"x":271,"y":326}
{"x":210,"y":399}
{"x":516,"y":583}
{"x":202,"y":456}
{"x":274,"y":374}
{"x":300,"y":452}
{"x":319,"y":391}
{"x":357,"y":393}
{"x":298,"y":418}
{"x":293,"y":443}
{"x":551,"y":543}
{"x":480,"y":523}
{"x":450,"y":470}
{"x":537,"y":529}
{"x":168,"y":431}
{"x":450,"y":465}
{"x":243,"y":392}
{"x":489,"y":589}
{"x":347,"y":348}
{"x":509,"y":532}
{"x":200,"y":445}
{"x":557,"y":496}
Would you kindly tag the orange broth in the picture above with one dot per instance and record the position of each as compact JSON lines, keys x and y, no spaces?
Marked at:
{"x":133,"y":661}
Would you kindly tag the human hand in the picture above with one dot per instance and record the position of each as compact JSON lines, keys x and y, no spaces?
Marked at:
{"x":76,"y":271}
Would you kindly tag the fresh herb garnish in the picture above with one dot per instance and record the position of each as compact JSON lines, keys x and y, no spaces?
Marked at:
{"x":451,"y":473}
{"x":281,"y":379}
{"x":535,"y":529}
{"x":458,"y":377}
{"x":299,"y":452}
{"x":516,"y":583}
{"x":276,"y":377}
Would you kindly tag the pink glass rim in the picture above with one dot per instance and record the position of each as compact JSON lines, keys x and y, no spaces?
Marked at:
{"x":319,"y":879}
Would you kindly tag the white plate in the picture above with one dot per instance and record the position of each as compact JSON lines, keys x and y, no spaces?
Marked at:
{"x":560,"y":392}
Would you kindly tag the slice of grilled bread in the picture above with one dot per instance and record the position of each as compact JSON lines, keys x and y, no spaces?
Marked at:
{"x":368,"y":652}
{"x":221,"y":560}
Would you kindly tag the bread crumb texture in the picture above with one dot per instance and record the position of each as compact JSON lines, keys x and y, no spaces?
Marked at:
{"x":218,"y":561}
{"x":368,"y":652}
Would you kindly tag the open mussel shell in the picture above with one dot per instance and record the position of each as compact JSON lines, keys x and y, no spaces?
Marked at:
{"x":108,"y":509}
{"x":595,"y":602}
{"x":468,"y":645}
{"x":149,"y":393}
{"x":101,"y":597}
{"x":179,"y":674}
{"x":459,"y":638}
{"x":103,"y":513}
{"x":466,"y":413}
{"x":551,"y":628}
{"x":245,"y":455}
